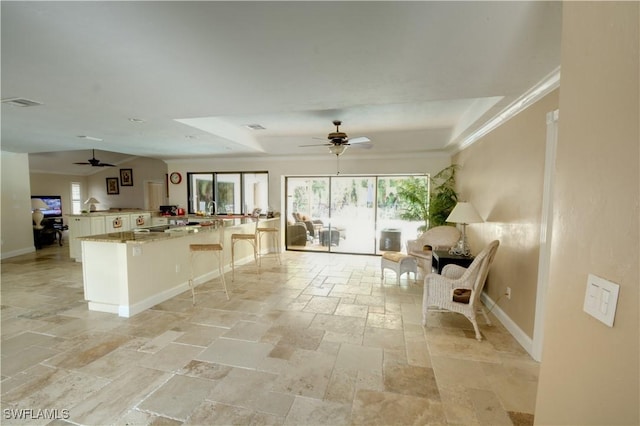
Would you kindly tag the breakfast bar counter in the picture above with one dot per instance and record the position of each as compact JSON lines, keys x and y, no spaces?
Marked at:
{"x":128,"y":272}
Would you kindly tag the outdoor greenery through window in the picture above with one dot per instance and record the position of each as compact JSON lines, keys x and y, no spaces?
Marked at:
{"x":354,"y":214}
{"x":228,"y":192}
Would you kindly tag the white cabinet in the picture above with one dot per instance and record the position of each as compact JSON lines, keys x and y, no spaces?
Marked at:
{"x":140,"y":220}
{"x":81,"y":227}
{"x":97,"y":225}
{"x":159,"y":220}
{"x":101,"y":223}
{"x":117,"y":223}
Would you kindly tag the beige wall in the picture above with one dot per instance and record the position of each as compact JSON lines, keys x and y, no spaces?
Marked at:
{"x":144,"y":170}
{"x":502,"y":176}
{"x":352,"y":162}
{"x":54,"y":184}
{"x":16,"y":230}
{"x":589,"y":372}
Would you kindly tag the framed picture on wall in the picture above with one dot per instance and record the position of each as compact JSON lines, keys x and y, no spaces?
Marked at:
{"x":126,"y":177}
{"x":112,"y":185}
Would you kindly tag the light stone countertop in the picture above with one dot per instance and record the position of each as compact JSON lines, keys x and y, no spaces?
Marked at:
{"x":177,"y":231}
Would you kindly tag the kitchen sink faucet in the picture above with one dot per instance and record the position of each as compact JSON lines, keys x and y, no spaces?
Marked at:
{"x":212,"y":207}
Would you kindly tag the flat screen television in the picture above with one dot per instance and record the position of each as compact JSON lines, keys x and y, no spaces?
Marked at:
{"x":55,"y":205}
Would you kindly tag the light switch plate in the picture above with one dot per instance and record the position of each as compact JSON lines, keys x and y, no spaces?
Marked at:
{"x":601,"y":299}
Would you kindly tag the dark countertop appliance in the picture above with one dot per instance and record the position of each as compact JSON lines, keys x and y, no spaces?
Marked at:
{"x":169,"y":210}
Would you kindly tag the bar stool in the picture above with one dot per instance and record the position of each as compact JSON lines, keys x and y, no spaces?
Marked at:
{"x":272,"y":232}
{"x":251,"y":239}
{"x":217,"y":249}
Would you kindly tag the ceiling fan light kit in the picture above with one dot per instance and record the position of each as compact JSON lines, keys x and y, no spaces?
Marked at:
{"x":337,"y":149}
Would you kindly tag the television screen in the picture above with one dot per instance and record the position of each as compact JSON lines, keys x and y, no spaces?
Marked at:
{"x":54,"y":202}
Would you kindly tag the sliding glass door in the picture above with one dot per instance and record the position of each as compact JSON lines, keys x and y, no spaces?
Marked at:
{"x":346,"y":214}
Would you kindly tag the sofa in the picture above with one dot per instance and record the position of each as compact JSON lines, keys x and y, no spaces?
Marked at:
{"x":436,"y":238}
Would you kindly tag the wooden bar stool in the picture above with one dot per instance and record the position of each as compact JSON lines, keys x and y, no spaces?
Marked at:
{"x":272,"y":232}
{"x":251,"y":238}
{"x":217,"y":249}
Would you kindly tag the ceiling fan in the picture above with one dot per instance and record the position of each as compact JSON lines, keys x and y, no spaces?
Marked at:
{"x":94,"y":162}
{"x":339,"y":141}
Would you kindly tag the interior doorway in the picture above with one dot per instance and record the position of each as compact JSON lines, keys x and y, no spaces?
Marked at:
{"x":154,"y":194}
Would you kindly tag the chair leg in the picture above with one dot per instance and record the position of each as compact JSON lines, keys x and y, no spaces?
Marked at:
{"x":191,"y":283}
{"x":276,"y":243}
{"x":484,"y":314}
{"x":255,"y":258}
{"x":233,"y":257}
{"x":475,"y":327}
{"x":276,"y":238}
{"x":425,"y":298}
{"x":221,"y":269}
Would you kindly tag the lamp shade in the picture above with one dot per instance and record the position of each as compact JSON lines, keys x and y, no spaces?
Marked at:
{"x":37,"y":203}
{"x":464,"y":212}
{"x":92,"y":203}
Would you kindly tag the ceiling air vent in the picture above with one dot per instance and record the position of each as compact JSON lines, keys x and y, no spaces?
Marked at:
{"x":21,"y":102}
{"x":255,"y":127}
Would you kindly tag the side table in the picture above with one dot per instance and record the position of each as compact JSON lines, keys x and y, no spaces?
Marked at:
{"x":440,"y":258}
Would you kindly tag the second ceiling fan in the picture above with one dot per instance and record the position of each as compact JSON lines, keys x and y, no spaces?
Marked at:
{"x":94,"y":162}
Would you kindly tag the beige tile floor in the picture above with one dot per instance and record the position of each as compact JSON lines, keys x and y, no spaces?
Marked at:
{"x":318,"y":340}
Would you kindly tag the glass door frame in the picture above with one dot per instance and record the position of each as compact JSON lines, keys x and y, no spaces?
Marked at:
{"x":385,"y":218}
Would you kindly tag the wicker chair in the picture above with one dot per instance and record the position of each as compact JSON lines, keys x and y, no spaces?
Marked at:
{"x":439,"y":290}
{"x":439,"y":237}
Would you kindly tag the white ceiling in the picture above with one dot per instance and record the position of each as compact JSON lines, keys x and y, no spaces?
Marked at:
{"x":415,"y":77}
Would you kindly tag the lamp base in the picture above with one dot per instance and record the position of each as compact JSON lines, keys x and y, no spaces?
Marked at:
{"x":462,"y":248}
{"x":37,"y":217}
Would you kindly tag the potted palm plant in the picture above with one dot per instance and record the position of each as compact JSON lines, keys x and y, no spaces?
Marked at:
{"x":431,"y":206}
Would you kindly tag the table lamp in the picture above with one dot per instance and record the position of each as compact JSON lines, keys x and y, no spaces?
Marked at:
{"x":92,"y":204}
{"x":463,"y":213}
{"x":37,"y":205}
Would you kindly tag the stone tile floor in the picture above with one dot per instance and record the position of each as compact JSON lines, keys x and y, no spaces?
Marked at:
{"x":319,"y":340}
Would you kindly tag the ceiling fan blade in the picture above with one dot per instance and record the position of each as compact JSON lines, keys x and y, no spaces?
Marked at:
{"x":82,"y":163}
{"x":105,"y":165}
{"x":361,"y":139}
{"x":316,"y":144}
{"x":366,"y":145}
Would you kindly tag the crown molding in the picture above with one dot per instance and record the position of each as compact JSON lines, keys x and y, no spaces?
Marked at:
{"x":533,"y":95}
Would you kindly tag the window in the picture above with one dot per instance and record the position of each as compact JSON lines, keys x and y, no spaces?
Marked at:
{"x":76,"y":201}
{"x":228,"y":192}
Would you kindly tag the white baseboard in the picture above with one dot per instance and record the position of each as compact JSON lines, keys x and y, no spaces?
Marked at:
{"x":521,"y":337}
{"x":136,"y":308}
{"x":14,"y":253}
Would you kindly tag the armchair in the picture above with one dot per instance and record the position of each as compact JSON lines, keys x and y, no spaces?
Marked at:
{"x":297,"y":234}
{"x":439,"y":289}
{"x":438,"y":237}
{"x":300,"y":218}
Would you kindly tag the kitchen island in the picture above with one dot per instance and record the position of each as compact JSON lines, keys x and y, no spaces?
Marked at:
{"x":128,"y":272}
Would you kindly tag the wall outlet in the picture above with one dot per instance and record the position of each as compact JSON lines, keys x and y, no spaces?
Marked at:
{"x":177,"y":268}
{"x":508,"y":293}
